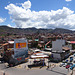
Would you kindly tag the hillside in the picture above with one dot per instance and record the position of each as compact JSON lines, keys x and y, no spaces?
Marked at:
{"x":61,"y":30}
{"x":8,"y":30}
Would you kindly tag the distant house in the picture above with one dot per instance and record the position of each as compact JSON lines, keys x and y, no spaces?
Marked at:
{"x":8,"y":45}
{"x":71,"y":44}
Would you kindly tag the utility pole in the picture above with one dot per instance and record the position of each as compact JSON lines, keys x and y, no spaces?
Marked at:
{"x":72,"y":72}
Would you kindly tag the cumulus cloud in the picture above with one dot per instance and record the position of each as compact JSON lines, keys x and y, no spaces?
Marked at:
{"x":68,"y":0}
{"x":24,"y":17}
{"x":26,"y":4}
{"x":9,"y":25}
{"x":2,"y":20}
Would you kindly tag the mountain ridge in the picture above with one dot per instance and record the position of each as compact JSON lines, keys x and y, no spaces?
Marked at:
{"x":5,"y":30}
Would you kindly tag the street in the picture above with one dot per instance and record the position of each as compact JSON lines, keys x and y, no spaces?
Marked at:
{"x":34,"y":71}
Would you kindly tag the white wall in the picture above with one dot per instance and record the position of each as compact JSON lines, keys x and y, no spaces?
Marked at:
{"x":63,"y":42}
{"x":56,"y":56}
{"x":57,"y":45}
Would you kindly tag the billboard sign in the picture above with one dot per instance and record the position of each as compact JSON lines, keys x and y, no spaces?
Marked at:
{"x":20,"y":47}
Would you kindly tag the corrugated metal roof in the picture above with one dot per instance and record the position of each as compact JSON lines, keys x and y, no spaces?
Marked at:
{"x":72,"y":42}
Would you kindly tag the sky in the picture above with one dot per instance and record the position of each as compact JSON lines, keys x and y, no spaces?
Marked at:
{"x":38,"y":13}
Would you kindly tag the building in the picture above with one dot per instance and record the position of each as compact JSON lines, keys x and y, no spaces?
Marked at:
{"x":59,"y":50}
{"x":71,"y":44}
{"x":15,"y":51}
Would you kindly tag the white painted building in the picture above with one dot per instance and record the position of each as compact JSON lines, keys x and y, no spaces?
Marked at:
{"x":57,"y":45}
{"x":56,"y":56}
{"x":57,"y":49}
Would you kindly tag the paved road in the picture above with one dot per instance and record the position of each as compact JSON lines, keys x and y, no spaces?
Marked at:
{"x":37,"y":71}
{"x":3,"y":66}
{"x":43,"y":71}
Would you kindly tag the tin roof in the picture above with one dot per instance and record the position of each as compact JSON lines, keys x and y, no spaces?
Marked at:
{"x":65,"y":48}
{"x":72,"y":42}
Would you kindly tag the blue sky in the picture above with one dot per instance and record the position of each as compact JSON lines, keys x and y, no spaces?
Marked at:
{"x":38,"y":13}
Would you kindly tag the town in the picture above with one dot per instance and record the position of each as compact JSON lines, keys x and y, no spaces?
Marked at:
{"x":37,"y":37}
{"x":38,"y":50}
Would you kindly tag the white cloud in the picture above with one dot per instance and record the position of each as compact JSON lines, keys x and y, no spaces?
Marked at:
{"x":9,"y":25}
{"x":24,"y":17}
{"x":68,"y":0}
{"x":26,"y":4}
{"x":2,"y":20}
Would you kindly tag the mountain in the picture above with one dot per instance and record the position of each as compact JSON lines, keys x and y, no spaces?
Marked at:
{"x":61,"y":30}
{"x":4,"y":30}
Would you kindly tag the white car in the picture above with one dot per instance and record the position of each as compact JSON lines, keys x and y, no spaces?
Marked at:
{"x":61,"y":64}
{"x":65,"y":65}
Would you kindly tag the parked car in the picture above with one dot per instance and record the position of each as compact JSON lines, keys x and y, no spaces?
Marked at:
{"x":70,"y":64}
{"x":67,"y":66}
{"x":71,"y":59}
{"x":65,"y":61}
{"x":72,"y":67}
{"x":61,"y":64}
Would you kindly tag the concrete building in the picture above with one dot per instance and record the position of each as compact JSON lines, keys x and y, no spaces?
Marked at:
{"x":59,"y":51}
{"x":57,"y":45}
{"x":15,"y":51}
{"x":71,"y":44}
